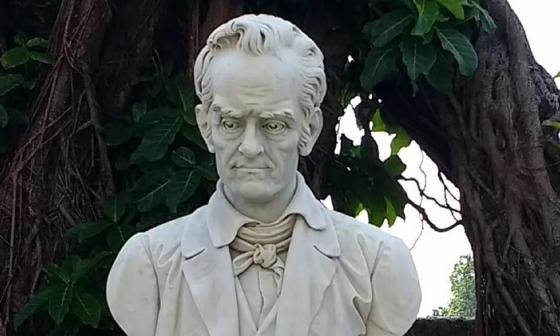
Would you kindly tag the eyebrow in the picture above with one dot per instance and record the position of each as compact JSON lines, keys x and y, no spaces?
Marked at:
{"x":226,"y":112}
{"x":285,"y":114}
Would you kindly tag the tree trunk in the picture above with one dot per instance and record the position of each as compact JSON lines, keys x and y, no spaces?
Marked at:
{"x":60,"y":171}
{"x":489,"y":140}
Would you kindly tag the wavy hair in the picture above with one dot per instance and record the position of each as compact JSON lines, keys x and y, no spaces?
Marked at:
{"x":264,"y":35}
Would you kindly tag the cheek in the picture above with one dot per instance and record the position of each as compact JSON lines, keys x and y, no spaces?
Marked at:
{"x":285,"y":151}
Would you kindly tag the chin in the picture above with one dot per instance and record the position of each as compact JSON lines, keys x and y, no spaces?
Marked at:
{"x":254,"y":191}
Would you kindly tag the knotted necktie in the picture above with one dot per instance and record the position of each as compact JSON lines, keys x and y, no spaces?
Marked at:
{"x":260,"y":244}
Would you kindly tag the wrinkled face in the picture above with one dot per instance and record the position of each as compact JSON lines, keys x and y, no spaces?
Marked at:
{"x":256,"y":122}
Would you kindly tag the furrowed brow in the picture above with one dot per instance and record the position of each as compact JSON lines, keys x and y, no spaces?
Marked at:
{"x":225,"y":112}
{"x":286,"y":114}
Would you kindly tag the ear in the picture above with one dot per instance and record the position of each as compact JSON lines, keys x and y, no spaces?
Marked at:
{"x":204,"y":125}
{"x":313,"y":127}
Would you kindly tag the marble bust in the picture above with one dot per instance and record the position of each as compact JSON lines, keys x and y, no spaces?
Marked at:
{"x":263,"y":257}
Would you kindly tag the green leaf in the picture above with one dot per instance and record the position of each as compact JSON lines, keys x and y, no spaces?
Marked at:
{"x":182,"y":96}
{"x":441,"y":75}
{"x":488,"y":24}
{"x":428,"y":12}
{"x":30,"y":83}
{"x":14,"y":57}
{"x":86,"y":231}
{"x":379,"y":64}
{"x":10,"y":82}
{"x":37,"y":42}
{"x":82,"y":267}
{"x":375,"y":207}
{"x":378,"y":123}
{"x":400,"y":141}
{"x":59,"y":302}
{"x":181,"y":188}
{"x":183,"y":157}
{"x":157,"y":139}
{"x":394,"y":165}
{"x":461,"y":48}
{"x":208,"y":171}
{"x":396,"y":194}
{"x":41,"y":57}
{"x":454,"y":6}
{"x":551,"y":123}
{"x":151,"y":189}
{"x":57,"y":273}
{"x":115,"y":207}
{"x":86,"y":307}
{"x":118,"y":236}
{"x":391,"y":213}
{"x":389,"y":26}
{"x":3,"y":116}
{"x":37,"y":302}
{"x":417,"y":56}
{"x":139,"y":110}
{"x":193,"y":135}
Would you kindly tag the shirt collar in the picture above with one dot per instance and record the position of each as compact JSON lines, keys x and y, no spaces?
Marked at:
{"x":224,"y":220}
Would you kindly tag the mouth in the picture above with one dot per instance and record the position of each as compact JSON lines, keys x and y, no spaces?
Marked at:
{"x":251,"y":169}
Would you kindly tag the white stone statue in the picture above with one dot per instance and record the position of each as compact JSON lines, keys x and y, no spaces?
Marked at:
{"x":264,"y":257}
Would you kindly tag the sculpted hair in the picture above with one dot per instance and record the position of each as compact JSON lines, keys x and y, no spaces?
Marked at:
{"x":264,"y":35}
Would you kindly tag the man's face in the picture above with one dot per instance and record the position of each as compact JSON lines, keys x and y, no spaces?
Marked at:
{"x":256,"y":123}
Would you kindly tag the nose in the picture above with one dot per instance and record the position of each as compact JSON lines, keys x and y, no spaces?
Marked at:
{"x":250,"y":145}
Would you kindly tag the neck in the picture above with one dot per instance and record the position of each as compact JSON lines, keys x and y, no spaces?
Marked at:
{"x":264,"y":212}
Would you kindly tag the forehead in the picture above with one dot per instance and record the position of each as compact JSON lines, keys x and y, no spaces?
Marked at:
{"x":261,"y":83}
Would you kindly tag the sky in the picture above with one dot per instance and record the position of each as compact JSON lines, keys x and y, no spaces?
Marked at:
{"x":435,"y":253}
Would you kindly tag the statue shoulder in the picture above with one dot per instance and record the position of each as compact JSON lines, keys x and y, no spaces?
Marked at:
{"x":351,"y":231}
{"x":345,"y":224}
{"x":168,"y":235}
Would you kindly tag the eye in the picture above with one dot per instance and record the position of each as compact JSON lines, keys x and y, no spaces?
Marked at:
{"x":274,"y":126}
{"x":229,"y":124}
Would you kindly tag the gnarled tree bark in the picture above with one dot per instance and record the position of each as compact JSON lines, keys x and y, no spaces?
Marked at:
{"x":60,"y":171}
{"x":489,"y":140}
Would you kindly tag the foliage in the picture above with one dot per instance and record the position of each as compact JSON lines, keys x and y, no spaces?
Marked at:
{"x":20,"y":67}
{"x":360,"y":181}
{"x":163,"y":170}
{"x":422,"y":39}
{"x":463,"y":293}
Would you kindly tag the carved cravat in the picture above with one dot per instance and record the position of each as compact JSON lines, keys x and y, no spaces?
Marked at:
{"x":260,"y":244}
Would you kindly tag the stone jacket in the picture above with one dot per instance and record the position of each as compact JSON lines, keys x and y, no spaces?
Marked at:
{"x":342,"y":277}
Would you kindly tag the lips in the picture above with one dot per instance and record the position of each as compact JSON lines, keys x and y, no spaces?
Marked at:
{"x":251,"y":166}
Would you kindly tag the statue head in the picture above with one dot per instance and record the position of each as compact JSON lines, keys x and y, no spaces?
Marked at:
{"x":261,"y":81}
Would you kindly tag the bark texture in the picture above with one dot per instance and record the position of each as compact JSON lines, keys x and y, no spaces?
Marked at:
{"x":489,"y":140}
{"x":60,"y":172}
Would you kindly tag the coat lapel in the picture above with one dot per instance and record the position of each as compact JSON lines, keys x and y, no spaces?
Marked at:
{"x":209,"y":275}
{"x":310,"y":268}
